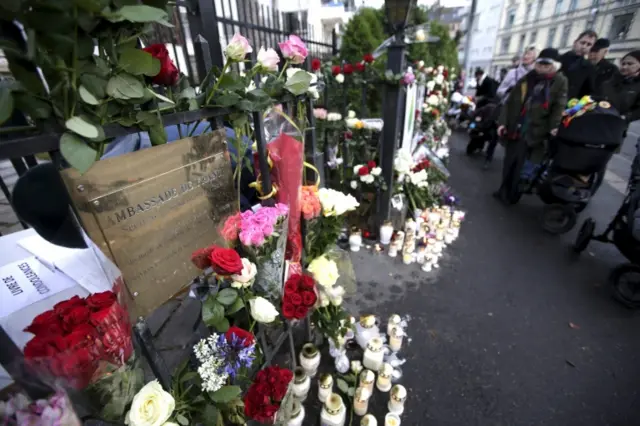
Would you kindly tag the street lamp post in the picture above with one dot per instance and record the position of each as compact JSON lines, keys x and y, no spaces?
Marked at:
{"x":397,"y":16}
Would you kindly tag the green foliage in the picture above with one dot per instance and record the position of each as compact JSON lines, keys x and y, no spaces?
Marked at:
{"x":363,"y":33}
{"x":443,"y":52}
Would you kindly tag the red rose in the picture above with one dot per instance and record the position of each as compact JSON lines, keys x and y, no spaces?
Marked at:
{"x":108,"y":317}
{"x":46,"y":323}
{"x":201,"y":258}
{"x":246,"y":337}
{"x":445,"y":73}
{"x":296,"y":299}
{"x":225,"y":261}
{"x":79,"y":367}
{"x":66,"y":305}
{"x":102,"y":300}
{"x":76,"y":316}
{"x":40,"y":347}
{"x":371,"y":165}
{"x":309,"y":298}
{"x":81,"y":336}
{"x":348,"y":135}
{"x":168,"y":74}
{"x":307,"y":283}
{"x":347,"y":69}
{"x":315,"y":64}
{"x":301,"y":312}
{"x":368,"y":58}
{"x":336,"y":69}
{"x":291,"y":286}
{"x":360,"y":67}
{"x":117,"y":345}
{"x":288,"y":310}
{"x":363,"y":171}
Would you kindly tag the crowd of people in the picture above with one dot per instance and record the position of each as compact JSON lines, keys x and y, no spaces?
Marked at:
{"x":529,"y":100}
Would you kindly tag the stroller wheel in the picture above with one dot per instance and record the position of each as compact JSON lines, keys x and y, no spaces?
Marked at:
{"x":558,"y":218}
{"x":584,"y":235}
{"x":625,"y":283}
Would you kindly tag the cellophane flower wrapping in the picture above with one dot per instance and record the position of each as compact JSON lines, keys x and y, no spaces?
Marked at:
{"x":262,"y":236}
{"x":56,"y":410}
{"x":81,"y":339}
{"x":269,"y":399}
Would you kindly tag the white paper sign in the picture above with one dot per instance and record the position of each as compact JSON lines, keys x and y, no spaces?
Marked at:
{"x":409,"y":117}
{"x":26,"y":282}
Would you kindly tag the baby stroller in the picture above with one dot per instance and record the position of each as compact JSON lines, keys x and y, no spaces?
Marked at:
{"x":459,"y":114}
{"x":624,"y":233}
{"x":568,"y":176}
{"x":482,"y":128}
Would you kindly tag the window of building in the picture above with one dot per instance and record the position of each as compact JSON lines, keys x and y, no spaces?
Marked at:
{"x":539,"y":9}
{"x":566,"y":32}
{"x":295,"y":22}
{"x":573,"y":4}
{"x":533,"y":37}
{"x":523,"y":38}
{"x":620,"y":26}
{"x":511,"y":17}
{"x":558,"y":8}
{"x":551,"y":36}
{"x":504,"y":45}
{"x":527,"y":15}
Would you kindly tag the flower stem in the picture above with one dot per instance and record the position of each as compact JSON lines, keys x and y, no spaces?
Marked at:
{"x":215,"y":86}
{"x":286,"y":63}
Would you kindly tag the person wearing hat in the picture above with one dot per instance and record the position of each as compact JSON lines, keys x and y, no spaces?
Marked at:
{"x":580,"y":73}
{"x":486,"y":88}
{"x":622,"y":91}
{"x":515,"y":74}
{"x":605,"y":70}
{"x":531,"y":113}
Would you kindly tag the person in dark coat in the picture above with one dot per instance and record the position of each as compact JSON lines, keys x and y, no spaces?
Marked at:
{"x":623,"y":90}
{"x":486,"y":88}
{"x":605,"y":70}
{"x":580,"y":73}
{"x":533,"y":111}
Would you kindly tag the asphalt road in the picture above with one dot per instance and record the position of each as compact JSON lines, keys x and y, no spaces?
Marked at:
{"x":513,"y":329}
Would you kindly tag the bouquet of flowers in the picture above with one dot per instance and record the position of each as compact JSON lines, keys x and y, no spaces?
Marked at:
{"x":263,"y":236}
{"x":56,"y":410}
{"x":266,"y":395}
{"x":299,"y":297}
{"x":369,"y":175}
{"x":323,"y":231}
{"x":418,"y":181}
{"x":85,"y":343}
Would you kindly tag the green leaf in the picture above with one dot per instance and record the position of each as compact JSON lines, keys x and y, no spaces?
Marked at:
{"x":82,"y":127}
{"x":231,"y":81}
{"x":125,"y":86}
{"x":138,"y":62}
{"x":190,"y":375}
{"x":351,"y":391}
{"x":143,"y":13}
{"x":91,"y":5}
{"x":227,"y":296}
{"x":225,"y":394}
{"x":227,"y":99}
{"x":94,"y":84}
{"x":212,"y":311}
{"x":6,"y":104}
{"x":221,"y":326}
{"x":298,"y":83}
{"x":85,"y":46}
{"x":257,"y":95}
{"x":211,"y":415}
{"x":187,"y":93}
{"x":343,"y":386}
{"x":182,"y":420}
{"x":157,"y":134}
{"x":87,"y":97}
{"x":235,"y":306}
{"x":103,"y":66}
{"x":80,"y":155}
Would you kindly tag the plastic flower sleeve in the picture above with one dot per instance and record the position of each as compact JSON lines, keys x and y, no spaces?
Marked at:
{"x":56,"y":410}
{"x":77,"y":332}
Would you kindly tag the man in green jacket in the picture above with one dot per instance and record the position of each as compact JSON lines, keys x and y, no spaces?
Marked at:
{"x":532,"y":112}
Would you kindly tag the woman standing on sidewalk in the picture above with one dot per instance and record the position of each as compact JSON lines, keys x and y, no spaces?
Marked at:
{"x":623,"y":90}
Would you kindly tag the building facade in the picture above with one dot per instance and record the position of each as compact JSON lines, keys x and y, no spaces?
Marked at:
{"x":484,"y":33}
{"x":557,"y":23}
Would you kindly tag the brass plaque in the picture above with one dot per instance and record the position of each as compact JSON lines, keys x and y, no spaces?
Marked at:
{"x":150,"y":209}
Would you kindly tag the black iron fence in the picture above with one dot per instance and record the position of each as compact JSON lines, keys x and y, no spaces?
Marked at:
{"x":201,"y":29}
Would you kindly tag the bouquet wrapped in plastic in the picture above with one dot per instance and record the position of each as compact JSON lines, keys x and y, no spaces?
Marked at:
{"x":263,"y":236}
{"x":56,"y":410}
{"x":269,"y":400}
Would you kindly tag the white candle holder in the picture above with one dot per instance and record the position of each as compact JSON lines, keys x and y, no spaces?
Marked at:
{"x":310,"y":359}
{"x":392,"y":419}
{"x":366,"y":329}
{"x":367,"y":379}
{"x":397,"y":398}
{"x":368,"y":420}
{"x":373,"y":354}
{"x":301,"y":384}
{"x":325,"y":387}
{"x":394,"y":321}
{"x":361,"y":401}
{"x":384,"y":377}
{"x":395,"y":339}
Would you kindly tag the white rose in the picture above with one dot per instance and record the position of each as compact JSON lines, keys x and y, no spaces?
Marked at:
{"x":439,"y":79}
{"x":354,"y":184}
{"x":151,"y":406}
{"x":339,"y":161}
{"x":356,"y":367}
{"x":433,"y":100}
{"x":340,"y":78}
{"x":351,"y":114}
{"x":324,"y":300}
{"x":420,"y":35}
{"x":376,"y":171}
{"x":356,"y":169}
{"x":262,"y":310}
{"x":368,"y":179}
{"x":431,"y":85}
{"x":336,"y":301}
{"x":170,"y":424}
{"x":250,"y":87}
{"x":336,"y":291}
{"x":246,"y":277}
{"x":429,"y":69}
{"x":351,"y":122}
{"x":440,"y":68}
{"x":420,"y":64}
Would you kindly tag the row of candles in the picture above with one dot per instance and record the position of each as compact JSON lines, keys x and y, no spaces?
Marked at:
{"x":334,"y":411}
{"x":423,"y":239}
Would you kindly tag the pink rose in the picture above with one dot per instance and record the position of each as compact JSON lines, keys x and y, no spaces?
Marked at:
{"x":237,"y":48}
{"x":268,"y":59}
{"x":320,"y":113}
{"x":294,"y":49}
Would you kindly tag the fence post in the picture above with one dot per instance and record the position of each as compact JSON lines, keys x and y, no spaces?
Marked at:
{"x":203,"y":22}
{"x":203,"y":57}
{"x":311,"y":138}
{"x":334,"y":42}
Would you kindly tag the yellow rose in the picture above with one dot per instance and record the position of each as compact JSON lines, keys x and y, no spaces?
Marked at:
{"x":324,"y":271}
{"x":152,"y":406}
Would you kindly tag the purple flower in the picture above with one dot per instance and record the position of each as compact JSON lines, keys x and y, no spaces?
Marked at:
{"x":408,"y":79}
{"x":235,"y":354}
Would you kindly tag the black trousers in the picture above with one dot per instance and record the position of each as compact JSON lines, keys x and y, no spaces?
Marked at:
{"x":493,"y":142}
{"x":515,"y":155}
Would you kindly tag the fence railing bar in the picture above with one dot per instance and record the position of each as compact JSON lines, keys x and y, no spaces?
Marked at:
{"x":252,"y":19}
{"x":208,"y":28}
{"x":193,"y":78}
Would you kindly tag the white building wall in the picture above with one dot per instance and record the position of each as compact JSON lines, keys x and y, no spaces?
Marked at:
{"x":484,"y":34}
